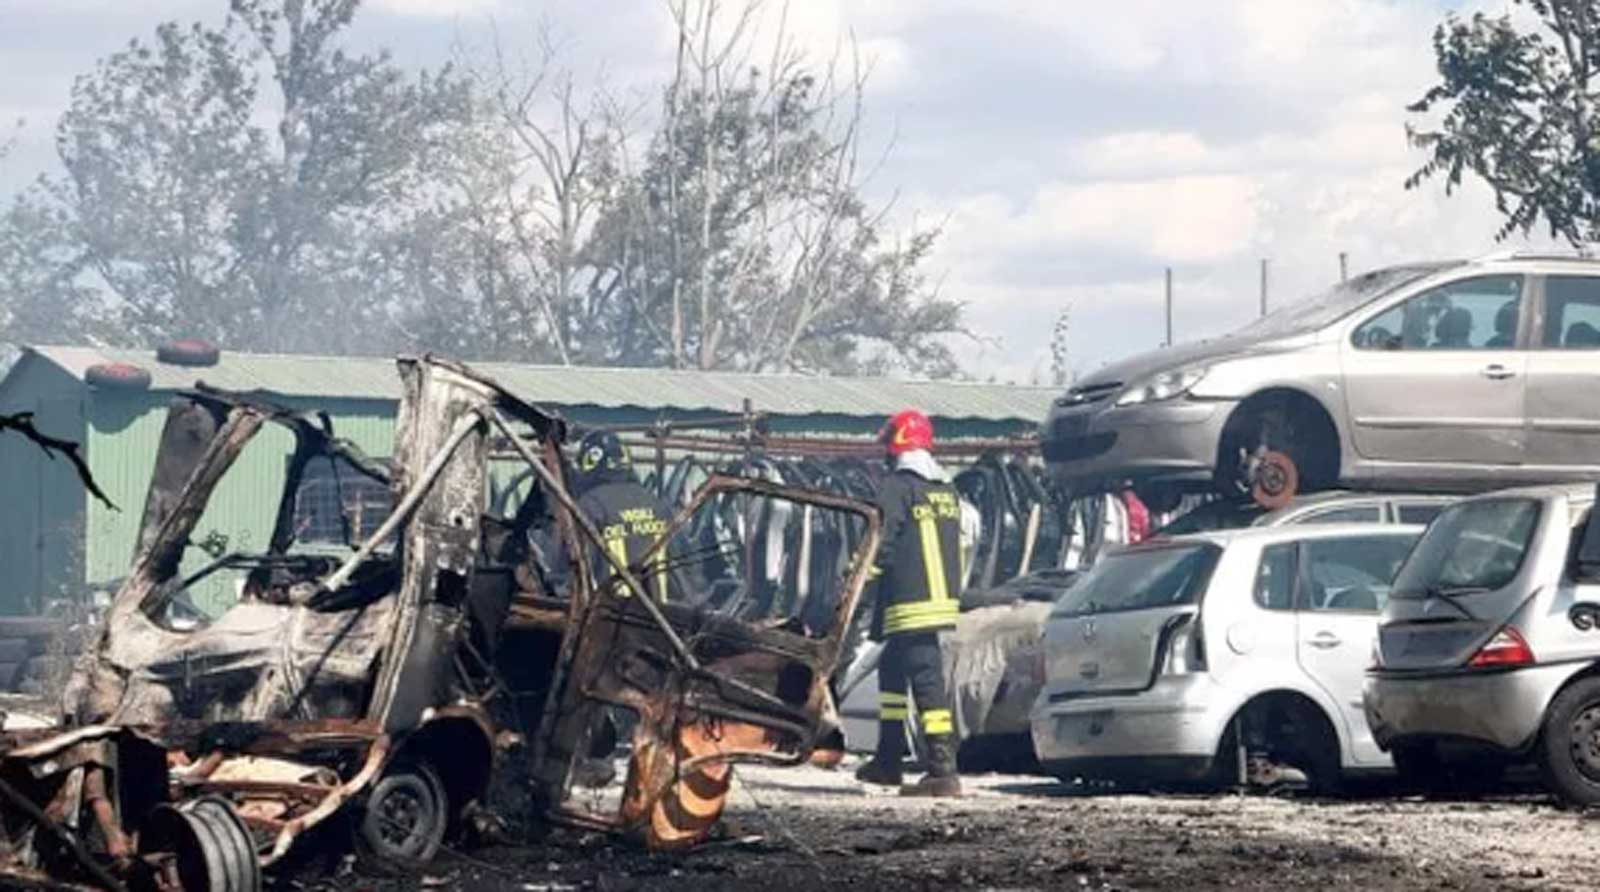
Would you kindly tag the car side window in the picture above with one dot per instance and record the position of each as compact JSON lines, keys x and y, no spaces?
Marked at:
{"x":1351,"y":574}
{"x":1571,"y":313}
{"x":1420,"y":513}
{"x":1372,"y":513}
{"x":1473,"y":314}
{"x":1275,"y":577}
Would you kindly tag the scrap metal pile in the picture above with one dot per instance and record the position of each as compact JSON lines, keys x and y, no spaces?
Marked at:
{"x":368,"y":696}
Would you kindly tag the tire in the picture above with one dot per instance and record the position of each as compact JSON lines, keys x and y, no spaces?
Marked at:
{"x":1569,"y":744}
{"x":189,"y":352}
{"x":1320,"y":753}
{"x":402,"y":821}
{"x":117,"y":376}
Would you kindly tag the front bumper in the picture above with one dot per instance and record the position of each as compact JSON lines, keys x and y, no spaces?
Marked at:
{"x":1178,"y":722}
{"x":1172,"y":439}
{"x":1503,"y":709}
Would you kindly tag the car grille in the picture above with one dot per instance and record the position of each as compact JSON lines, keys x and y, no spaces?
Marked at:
{"x":1058,"y":448}
{"x":1087,"y":395}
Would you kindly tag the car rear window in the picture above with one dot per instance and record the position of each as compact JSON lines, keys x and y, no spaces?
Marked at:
{"x":1142,"y":579}
{"x":1476,"y":545}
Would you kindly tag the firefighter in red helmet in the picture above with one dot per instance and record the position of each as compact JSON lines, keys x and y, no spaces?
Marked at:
{"x":916,"y":594}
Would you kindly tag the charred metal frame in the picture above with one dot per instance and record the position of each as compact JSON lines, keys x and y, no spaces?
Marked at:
{"x":442,"y":440}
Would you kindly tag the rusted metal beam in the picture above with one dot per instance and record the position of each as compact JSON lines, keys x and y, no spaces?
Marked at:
{"x":27,"y":807}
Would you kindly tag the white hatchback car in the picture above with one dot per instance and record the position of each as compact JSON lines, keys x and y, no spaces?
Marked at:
{"x":1184,"y":659}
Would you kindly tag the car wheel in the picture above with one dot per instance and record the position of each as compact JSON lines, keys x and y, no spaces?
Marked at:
{"x":1569,"y":747}
{"x":402,"y":823}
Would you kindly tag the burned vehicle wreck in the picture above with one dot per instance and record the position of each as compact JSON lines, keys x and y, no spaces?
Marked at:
{"x":372,"y":695}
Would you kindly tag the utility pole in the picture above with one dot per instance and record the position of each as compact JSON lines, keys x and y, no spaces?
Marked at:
{"x":1263,"y":286}
{"x":1169,"y":307}
{"x":1344,"y":267}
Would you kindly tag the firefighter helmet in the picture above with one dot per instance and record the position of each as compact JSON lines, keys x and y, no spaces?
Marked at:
{"x":907,"y":431}
{"x":601,"y":450}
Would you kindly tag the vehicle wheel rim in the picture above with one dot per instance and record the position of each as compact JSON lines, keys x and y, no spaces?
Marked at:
{"x":1586,"y":741}
{"x":402,"y":819}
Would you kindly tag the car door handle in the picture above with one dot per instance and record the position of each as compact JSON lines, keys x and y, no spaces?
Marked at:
{"x":1497,"y":372}
{"x":1325,"y":640}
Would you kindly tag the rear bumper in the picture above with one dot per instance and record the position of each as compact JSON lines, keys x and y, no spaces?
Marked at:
{"x":1502,"y":709}
{"x":1177,"y":439}
{"x":1177,"y":723}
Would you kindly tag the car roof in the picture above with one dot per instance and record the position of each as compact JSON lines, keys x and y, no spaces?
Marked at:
{"x":1288,"y":533}
{"x":1573,"y":492}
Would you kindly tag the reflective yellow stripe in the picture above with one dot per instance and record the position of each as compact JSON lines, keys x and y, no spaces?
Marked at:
{"x":618,"y":547}
{"x":920,"y":615}
{"x":890,"y":698}
{"x":933,"y":560}
{"x":893,"y":713}
{"x":937,"y":721}
{"x":661,"y":581}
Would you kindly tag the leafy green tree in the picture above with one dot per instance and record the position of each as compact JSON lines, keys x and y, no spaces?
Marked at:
{"x":201,"y":220}
{"x":1517,"y":108}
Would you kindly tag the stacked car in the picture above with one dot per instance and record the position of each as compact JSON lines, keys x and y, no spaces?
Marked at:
{"x":1228,"y":654}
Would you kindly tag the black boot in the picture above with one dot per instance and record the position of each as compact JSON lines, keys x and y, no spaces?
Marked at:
{"x":884,"y":768}
{"x":942,"y":780}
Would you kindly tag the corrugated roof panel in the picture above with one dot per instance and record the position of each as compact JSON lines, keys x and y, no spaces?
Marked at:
{"x":374,"y":378}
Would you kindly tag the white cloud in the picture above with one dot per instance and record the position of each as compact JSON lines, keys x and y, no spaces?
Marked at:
{"x":435,"y":9}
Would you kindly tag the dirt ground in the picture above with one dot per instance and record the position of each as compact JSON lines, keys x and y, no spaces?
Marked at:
{"x":813,"y":829}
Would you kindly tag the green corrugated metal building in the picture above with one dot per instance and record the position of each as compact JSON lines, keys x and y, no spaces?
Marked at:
{"x":55,"y":538}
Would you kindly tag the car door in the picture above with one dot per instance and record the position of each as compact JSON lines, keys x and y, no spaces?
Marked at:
{"x":1439,"y":378}
{"x":1563,"y":374}
{"x":1343,"y":584}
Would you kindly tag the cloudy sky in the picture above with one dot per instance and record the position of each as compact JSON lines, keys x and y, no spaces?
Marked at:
{"x":1073,"y":149}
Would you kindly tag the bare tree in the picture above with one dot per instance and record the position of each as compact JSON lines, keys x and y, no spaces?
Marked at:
{"x":744,"y":241}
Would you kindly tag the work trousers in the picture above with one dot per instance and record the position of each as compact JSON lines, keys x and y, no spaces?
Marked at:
{"x":912,"y":662}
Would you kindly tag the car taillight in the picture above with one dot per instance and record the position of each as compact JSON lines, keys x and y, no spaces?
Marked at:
{"x":1186,"y":649}
{"x":1506,"y":648}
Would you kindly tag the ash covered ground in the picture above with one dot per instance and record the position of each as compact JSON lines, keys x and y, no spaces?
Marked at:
{"x":813,"y":829}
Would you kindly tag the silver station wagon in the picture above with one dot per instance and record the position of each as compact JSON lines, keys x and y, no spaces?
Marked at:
{"x":1452,"y":375}
{"x":1489,"y":651}
{"x":1187,"y":659}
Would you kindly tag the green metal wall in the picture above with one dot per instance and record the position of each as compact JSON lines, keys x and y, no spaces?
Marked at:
{"x":41,"y":555}
{"x":124,"y":434}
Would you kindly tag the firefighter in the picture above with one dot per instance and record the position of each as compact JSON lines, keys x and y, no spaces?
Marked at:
{"x":630,"y":520}
{"x":916,"y":594}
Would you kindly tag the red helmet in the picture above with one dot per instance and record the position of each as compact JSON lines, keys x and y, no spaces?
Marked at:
{"x":907,"y":431}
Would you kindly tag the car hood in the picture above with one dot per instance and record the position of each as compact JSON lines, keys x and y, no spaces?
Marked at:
{"x":1165,"y":359}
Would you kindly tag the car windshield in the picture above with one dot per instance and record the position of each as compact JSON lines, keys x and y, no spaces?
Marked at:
{"x":1471,"y":547}
{"x":1345,"y":298}
{"x":1141,"y":579}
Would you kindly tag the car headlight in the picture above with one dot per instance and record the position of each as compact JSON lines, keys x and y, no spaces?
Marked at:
{"x":1164,"y":386}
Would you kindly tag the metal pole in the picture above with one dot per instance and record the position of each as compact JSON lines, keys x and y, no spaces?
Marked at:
{"x":1344,"y":267}
{"x":1263,"y":286}
{"x":1169,"y":308}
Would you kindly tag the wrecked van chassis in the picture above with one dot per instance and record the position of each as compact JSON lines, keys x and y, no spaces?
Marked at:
{"x":66,"y":791}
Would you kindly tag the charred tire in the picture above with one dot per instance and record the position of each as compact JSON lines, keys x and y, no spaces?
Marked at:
{"x":402,"y":821}
{"x":211,"y":849}
{"x":1569,"y":744}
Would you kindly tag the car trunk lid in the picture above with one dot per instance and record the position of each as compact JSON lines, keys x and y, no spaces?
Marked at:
{"x":1109,"y":633}
{"x":1468,"y":575}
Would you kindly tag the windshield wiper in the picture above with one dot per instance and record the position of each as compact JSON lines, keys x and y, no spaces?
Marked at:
{"x":1450,"y":594}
